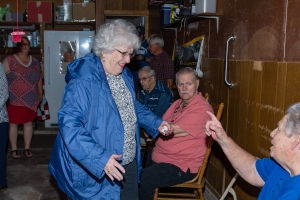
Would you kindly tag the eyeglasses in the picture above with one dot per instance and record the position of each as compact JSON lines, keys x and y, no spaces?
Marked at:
{"x":144,"y":79}
{"x":130,"y":55}
{"x":24,"y":44}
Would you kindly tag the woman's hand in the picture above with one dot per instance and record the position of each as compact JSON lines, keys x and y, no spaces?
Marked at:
{"x":113,"y":168}
{"x":165,"y":128}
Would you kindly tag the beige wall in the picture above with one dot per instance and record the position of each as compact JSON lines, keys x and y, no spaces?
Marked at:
{"x":261,"y":93}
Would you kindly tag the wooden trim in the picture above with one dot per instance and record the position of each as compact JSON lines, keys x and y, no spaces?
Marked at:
{"x":130,"y":13}
{"x":127,"y":12}
{"x":100,"y":7}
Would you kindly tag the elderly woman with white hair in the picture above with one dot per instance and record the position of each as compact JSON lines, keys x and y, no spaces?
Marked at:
{"x":96,"y":154}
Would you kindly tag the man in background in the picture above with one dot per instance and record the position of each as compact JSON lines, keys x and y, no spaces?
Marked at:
{"x":155,"y":95}
{"x":161,"y":62}
{"x":141,"y":58}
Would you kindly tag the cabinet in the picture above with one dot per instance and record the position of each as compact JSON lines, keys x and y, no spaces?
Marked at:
{"x":7,"y":27}
{"x":37,"y":52}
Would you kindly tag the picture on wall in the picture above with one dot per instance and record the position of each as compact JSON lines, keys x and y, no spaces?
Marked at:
{"x":189,"y":55}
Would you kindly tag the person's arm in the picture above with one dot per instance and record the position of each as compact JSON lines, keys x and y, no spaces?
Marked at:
{"x":163,"y":104}
{"x":178,"y":132}
{"x":140,"y":58}
{"x":151,"y":122}
{"x":6,"y":66}
{"x":170,"y":84}
{"x":242,"y":161}
{"x":147,"y":59}
{"x":40,"y":88}
{"x":169,"y":70}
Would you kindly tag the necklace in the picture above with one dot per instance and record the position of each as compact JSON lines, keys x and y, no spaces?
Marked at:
{"x":25,"y":62}
{"x":183,"y":106}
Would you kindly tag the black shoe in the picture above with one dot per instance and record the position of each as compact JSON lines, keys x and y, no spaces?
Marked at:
{"x":3,"y":187}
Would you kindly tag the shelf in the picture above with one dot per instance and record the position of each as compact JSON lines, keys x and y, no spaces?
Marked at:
{"x":159,"y":3}
{"x":195,"y":18}
{"x":12,"y":50}
{"x":22,"y":25}
{"x":72,"y":25}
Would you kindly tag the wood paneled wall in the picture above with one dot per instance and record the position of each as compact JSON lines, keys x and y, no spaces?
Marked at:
{"x":262,"y":91}
{"x":126,"y":5}
{"x":264,"y":67}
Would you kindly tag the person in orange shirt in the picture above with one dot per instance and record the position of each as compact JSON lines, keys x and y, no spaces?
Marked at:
{"x":177,"y":158}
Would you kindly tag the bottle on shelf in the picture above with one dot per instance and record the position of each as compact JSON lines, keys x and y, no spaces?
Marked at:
{"x":29,"y":37}
{"x":38,"y":38}
{"x":34,"y":39}
{"x":9,"y":41}
{"x":193,"y":11}
{"x":173,"y":10}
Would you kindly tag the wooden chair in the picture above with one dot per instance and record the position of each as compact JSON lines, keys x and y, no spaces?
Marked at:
{"x":197,"y":183}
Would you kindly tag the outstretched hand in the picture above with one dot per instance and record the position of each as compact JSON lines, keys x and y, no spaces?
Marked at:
{"x":113,"y":168}
{"x":214,"y":128}
{"x":165,"y":128}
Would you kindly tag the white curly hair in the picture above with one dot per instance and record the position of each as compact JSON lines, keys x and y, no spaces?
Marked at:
{"x":115,"y":33}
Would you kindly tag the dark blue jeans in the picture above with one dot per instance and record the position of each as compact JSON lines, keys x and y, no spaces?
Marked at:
{"x":160,"y":175}
{"x":129,"y":184}
{"x":3,"y":151}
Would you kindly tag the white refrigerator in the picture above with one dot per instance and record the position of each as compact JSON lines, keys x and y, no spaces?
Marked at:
{"x":61,"y":48}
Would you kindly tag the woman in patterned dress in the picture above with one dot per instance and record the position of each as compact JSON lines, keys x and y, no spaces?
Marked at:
{"x":23,"y":74}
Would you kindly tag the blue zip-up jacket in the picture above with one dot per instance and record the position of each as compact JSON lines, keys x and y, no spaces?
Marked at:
{"x":158,"y":100}
{"x":91,"y":130}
